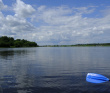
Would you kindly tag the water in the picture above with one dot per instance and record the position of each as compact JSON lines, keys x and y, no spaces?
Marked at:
{"x":53,"y":69}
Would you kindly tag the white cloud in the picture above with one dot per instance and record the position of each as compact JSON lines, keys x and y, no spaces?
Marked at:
{"x":41,"y":8}
{"x":53,"y":15}
{"x":23,"y":10}
{"x":83,"y":10}
{"x":56,"y":25}
{"x":16,"y":26}
{"x":2,"y":6}
{"x":12,"y":26}
{"x":67,"y":26}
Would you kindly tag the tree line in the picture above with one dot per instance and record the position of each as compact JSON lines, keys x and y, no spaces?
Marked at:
{"x":78,"y":45}
{"x":10,"y":42}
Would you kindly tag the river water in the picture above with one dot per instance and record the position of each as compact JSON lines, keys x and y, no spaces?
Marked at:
{"x":53,"y":69}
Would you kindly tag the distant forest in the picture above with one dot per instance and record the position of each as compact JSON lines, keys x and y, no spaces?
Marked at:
{"x":79,"y":45}
{"x":10,"y":42}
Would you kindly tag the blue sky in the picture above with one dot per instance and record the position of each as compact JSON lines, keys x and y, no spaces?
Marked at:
{"x":51,"y":22}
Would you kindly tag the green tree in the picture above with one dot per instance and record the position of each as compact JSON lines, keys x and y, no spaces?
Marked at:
{"x":10,"y":42}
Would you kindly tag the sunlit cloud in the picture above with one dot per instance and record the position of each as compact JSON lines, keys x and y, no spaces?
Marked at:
{"x":23,"y":10}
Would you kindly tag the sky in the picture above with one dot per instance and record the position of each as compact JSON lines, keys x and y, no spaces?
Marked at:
{"x":56,"y":22}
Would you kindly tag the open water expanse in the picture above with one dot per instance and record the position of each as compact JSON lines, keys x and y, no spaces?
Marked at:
{"x":53,"y":69}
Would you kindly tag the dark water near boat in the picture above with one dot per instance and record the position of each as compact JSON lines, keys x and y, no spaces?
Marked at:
{"x":53,"y":69}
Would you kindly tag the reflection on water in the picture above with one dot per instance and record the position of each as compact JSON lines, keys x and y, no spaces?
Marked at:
{"x":53,"y":70}
{"x":7,"y":53}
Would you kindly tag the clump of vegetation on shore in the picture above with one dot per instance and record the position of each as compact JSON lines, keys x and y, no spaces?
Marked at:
{"x":10,"y":42}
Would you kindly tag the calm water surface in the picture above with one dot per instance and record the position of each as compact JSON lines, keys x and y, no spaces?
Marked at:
{"x":53,"y":69}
